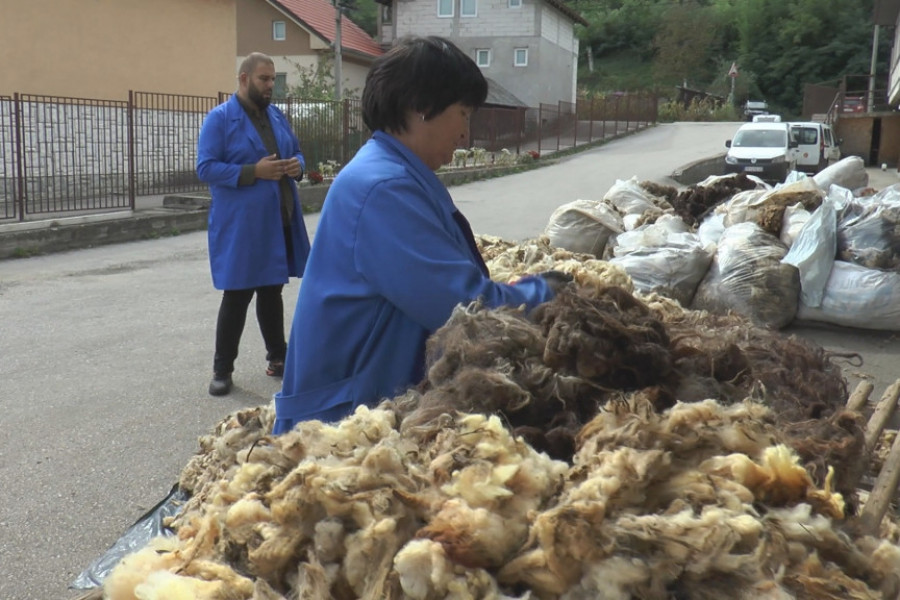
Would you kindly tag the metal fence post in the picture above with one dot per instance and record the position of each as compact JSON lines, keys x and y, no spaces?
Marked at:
{"x":591,"y":122}
{"x":627,"y":112}
{"x":540,"y":126}
{"x":132,"y":176}
{"x":558,"y":123}
{"x":345,"y":129}
{"x":20,"y":155}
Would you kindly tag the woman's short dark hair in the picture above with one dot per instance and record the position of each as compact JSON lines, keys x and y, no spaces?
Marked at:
{"x":422,"y":74}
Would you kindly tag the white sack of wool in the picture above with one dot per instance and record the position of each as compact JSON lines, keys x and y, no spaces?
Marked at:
{"x":583,"y":226}
{"x":869,"y":230}
{"x":856,"y":296}
{"x":629,"y":198}
{"x":849,"y":172}
{"x":795,"y":217}
{"x":711,"y":229}
{"x":748,"y":277}
{"x":766,"y":207}
{"x":813,"y":252}
{"x":663,"y":258}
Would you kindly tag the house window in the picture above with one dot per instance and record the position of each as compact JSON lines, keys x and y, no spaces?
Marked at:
{"x":278,"y":30}
{"x":468,"y":8}
{"x":387,"y":15}
{"x":445,"y":8}
{"x":483,"y":57}
{"x":280,"y":90}
{"x":521,"y":57}
{"x":515,"y":3}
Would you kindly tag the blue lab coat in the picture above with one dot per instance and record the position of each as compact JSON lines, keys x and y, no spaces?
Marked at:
{"x":388,"y":265}
{"x":246,"y":240}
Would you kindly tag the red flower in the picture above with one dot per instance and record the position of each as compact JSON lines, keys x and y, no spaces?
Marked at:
{"x":534,"y":154}
{"x":315,"y":177}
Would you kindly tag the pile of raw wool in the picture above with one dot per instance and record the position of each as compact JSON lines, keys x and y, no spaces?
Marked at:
{"x":607,"y":445}
{"x":698,"y":501}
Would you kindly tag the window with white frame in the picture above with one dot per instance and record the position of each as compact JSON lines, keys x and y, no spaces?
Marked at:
{"x":520,"y":57}
{"x":278,"y":30}
{"x":483,"y":57}
{"x":387,"y":15}
{"x":468,"y":8}
{"x":280,"y":90}
{"x":445,"y":8}
{"x":515,"y":3}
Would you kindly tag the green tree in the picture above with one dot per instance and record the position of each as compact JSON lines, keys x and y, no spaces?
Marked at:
{"x":684,"y":42}
{"x":364,"y":13}
{"x":316,"y":82}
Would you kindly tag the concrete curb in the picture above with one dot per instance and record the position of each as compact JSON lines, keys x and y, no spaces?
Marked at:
{"x":60,"y":235}
{"x":178,"y":213}
{"x":699,"y":170}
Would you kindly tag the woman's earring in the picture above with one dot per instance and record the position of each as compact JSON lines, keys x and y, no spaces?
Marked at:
{"x":422,"y":115}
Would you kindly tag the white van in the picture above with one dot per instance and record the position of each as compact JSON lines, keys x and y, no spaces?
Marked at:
{"x":816,"y":146}
{"x":762,"y":149}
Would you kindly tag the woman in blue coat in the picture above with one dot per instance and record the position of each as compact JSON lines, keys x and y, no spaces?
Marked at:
{"x":251,"y":159}
{"x":392,"y":255}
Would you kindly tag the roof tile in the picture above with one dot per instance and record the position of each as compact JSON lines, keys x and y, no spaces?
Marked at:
{"x":319,"y":15}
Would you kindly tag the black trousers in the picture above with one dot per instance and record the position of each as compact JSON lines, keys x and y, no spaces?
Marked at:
{"x":233,"y":316}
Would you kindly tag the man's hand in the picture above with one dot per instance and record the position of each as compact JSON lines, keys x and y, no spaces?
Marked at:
{"x":271,"y":167}
{"x":293,"y":169}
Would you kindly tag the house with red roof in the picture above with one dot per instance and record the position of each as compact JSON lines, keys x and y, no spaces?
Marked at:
{"x":526,"y":48}
{"x":298,"y":34}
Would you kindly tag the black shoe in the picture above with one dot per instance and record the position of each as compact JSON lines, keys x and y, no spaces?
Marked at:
{"x":220,"y":384}
{"x":275,"y":368}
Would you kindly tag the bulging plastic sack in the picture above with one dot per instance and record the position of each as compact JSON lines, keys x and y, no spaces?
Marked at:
{"x":855,"y":296}
{"x":869,"y":230}
{"x":629,"y":198}
{"x":849,"y":172}
{"x":813,"y":252}
{"x":748,"y":277}
{"x":661,"y":258}
{"x":583,"y":226}
{"x":766,"y":207}
{"x":795,"y":217}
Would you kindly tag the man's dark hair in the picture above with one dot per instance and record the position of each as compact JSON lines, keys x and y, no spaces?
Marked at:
{"x":248,"y":65}
{"x":422,"y":74}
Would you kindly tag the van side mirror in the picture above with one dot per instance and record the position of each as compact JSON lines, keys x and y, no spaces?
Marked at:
{"x":728,"y":143}
{"x":793,"y":144}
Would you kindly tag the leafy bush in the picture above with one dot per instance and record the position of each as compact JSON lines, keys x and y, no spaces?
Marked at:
{"x":698,"y":110}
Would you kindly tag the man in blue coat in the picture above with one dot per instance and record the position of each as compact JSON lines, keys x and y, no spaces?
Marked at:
{"x":251,"y":159}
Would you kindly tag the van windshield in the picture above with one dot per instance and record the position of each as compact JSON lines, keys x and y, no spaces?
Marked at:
{"x":760,"y":138}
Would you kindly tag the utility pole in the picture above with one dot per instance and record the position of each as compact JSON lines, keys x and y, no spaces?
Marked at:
{"x":871,"y":102}
{"x":338,"y":75}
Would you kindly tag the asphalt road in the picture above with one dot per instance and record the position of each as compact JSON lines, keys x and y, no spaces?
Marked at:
{"x":105,"y":355}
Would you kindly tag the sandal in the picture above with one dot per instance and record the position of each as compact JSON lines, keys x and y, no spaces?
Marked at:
{"x":275,"y":368}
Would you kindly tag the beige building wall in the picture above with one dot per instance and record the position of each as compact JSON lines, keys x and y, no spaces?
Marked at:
{"x":103,"y":48}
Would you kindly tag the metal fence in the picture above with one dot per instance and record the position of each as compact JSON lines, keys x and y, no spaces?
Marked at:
{"x":556,"y":127}
{"x":62,"y":156}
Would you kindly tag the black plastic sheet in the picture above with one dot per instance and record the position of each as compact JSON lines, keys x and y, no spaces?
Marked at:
{"x":137,"y":536}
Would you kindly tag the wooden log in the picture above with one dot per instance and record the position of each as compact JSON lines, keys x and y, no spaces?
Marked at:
{"x":882,"y":492}
{"x":883,"y":412}
{"x":860,"y":396}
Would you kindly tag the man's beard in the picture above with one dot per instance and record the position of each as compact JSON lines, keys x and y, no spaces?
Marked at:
{"x":257,"y":97}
